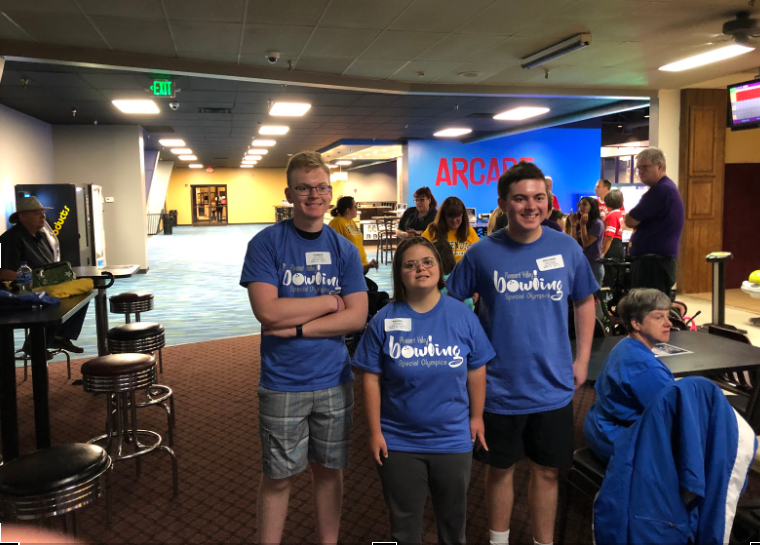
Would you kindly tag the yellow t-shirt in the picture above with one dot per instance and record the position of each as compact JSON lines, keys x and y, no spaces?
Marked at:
{"x":459,"y":248}
{"x":351,"y":231}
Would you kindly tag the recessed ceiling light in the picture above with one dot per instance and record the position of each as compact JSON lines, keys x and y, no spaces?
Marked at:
{"x":196,"y":165}
{"x":188,"y":158}
{"x":246,"y":166}
{"x":290,"y":109}
{"x":332,"y":166}
{"x":523,"y":112}
{"x":172,"y":142}
{"x":385,"y":149}
{"x":445,"y":133}
{"x":248,"y":162}
{"x":136,"y":106}
{"x":258,"y":151}
{"x":252,"y":157}
{"x":646,"y":116}
{"x":273,"y":129}
{"x":715,"y":55}
{"x":343,"y":163}
{"x":263,"y":143}
{"x":181,"y":151}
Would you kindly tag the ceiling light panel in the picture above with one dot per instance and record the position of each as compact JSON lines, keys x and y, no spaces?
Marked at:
{"x":246,"y":166}
{"x":196,"y":165}
{"x":259,"y":143}
{"x":172,"y":142}
{"x":258,"y":151}
{"x":188,"y":158}
{"x":273,"y":129}
{"x":342,"y":163}
{"x":181,"y":151}
{"x":136,"y":106}
{"x":710,"y":57}
{"x":252,"y":158}
{"x":452,"y":132}
{"x":518,"y":114}
{"x":289,"y":109}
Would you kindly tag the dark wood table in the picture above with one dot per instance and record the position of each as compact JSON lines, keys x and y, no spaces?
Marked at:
{"x":36,"y":321}
{"x":104,"y":279}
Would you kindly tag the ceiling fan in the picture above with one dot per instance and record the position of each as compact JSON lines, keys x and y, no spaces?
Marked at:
{"x":742,"y":28}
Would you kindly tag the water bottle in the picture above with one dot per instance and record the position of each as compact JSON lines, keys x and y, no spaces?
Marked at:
{"x":24,"y":277}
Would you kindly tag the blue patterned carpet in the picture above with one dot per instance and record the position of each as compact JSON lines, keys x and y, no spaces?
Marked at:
{"x":194,"y":277}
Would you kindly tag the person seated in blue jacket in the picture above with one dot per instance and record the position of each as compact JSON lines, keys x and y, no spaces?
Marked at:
{"x":632,"y":377}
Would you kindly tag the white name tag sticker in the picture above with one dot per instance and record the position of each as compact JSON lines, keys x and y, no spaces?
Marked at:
{"x":318,"y":258}
{"x":398,"y":324}
{"x":550,"y":262}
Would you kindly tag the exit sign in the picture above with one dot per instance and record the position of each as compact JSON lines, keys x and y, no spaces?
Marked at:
{"x":163,"y":88}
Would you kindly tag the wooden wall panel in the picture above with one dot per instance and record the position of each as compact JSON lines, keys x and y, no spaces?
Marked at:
{"x":740,"y":221}
{"x":701,"y":179}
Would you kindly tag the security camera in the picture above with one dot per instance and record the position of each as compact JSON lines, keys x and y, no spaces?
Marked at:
{"x":272,"y":56}
{"x":174,"y":106}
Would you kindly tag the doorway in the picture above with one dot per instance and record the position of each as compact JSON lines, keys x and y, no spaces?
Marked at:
{"x":209,"y":204}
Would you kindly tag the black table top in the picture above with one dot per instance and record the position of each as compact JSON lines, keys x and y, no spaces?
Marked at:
{"x":710,"y":354}
{"x":46,"y":316}
{"x":118,"y":271}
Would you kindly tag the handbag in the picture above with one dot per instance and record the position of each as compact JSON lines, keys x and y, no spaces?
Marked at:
{"x":52,"y":274}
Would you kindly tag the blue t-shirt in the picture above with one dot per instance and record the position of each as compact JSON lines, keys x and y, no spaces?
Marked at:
{"x":661,"y":214}
{"x":279,"y":256}
{"x":629,"y":380}
{"x":524,"y":290}
{"x":423,"y":360}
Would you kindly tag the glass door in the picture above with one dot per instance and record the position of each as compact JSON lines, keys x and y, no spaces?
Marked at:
{"x":209,"y":204}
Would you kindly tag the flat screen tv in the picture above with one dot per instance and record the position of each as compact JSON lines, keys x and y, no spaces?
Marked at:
{"x":744,"y":105}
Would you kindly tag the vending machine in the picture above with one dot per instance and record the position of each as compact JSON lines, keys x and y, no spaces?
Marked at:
{"x":76,"y":218}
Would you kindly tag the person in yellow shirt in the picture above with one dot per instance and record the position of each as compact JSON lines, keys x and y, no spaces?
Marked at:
{"x":343,"y":222}
{"x":452,"y":224}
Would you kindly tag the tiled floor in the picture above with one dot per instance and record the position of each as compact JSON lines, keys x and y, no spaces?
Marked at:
{"x":194,"y":275}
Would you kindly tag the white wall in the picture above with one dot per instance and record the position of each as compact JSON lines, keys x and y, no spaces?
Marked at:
{"x":158,"y":186}
{"x":372,"y":184}
{"x":26,"y":156}
{"x":112,"y":157}
{"x":664,"y":128}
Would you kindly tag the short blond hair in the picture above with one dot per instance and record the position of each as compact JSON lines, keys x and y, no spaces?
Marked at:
{"x":305,"y":160}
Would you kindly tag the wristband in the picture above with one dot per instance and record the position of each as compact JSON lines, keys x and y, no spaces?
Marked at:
{"x":299,"y":331}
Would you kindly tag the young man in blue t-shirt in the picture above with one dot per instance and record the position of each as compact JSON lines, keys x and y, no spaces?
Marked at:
{"x":307,"y":288}
{"x":525,"y":274}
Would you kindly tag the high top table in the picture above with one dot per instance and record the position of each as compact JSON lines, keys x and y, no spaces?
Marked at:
{"x":104,"y":279}
{"x":36,"y":321}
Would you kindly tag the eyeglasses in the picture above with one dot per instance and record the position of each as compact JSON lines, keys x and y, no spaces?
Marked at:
{"x":658,"y":316}
{"x":425,"y":263}
{"x":304,"y":190}
{"x":421,"y":199}
{"x":644,"y":167}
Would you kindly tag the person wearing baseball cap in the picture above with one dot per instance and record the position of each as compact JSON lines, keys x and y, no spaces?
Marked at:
{"x":25,"y":241}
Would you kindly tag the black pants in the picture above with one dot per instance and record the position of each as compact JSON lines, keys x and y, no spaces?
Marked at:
{"x":406,"y":477}
{"x":658,"y":272}
{"x":70,"y":329}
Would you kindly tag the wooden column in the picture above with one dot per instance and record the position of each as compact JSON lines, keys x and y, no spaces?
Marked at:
{"x":701,"y":172}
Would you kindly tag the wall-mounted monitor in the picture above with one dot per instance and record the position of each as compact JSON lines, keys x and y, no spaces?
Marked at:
{"x":744,"y":105}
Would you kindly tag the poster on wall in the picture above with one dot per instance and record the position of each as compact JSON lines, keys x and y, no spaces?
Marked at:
{"x":471,"y":171}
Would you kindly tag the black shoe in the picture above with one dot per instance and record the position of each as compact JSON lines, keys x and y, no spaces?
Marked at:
{"x":67,"y":345}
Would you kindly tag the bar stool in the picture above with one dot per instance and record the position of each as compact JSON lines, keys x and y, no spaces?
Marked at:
{"x":55,"y":481}
{"x":119,"y":376}
{"x":586,"y":477}
{"x":131,"y":303}
{"x":144,"y":338}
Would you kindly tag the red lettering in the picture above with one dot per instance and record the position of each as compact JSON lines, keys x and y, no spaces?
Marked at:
{"x":493,"y":171}
{"x":505,"y":160}
{"x":527,"y":159}
{"x":460,"y":171}
{"x":479,"y":180}
{"x":443,"y":173}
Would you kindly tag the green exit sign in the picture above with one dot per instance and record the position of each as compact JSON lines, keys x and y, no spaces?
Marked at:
{"x":162,"y":88}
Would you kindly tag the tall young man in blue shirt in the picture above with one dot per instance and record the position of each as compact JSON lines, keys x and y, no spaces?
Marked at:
{"x":307,"y":288}
{"x":525,"y":274}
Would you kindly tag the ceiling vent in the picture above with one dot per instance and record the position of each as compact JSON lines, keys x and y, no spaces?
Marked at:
{"x":214,"y":110}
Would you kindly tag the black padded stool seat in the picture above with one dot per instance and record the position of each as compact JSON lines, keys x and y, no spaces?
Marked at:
{"x":131,"y":303}
{"x":586,"y":477}
{"x":131,"y":297}
{"x":118,"y":364}
{"x":135,"y":331}
{"x":54,"y":481}
{"x":586,"y":463}
{"x":52,"y":469}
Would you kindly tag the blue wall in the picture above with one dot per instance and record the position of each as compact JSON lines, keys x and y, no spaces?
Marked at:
{"x":570,"y":156}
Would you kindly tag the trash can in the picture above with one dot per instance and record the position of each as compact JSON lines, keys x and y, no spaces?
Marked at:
{"x":168,"y":224}
{"x":173,"y":214}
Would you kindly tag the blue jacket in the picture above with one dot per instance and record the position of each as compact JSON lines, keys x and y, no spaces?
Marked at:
{"x":676,"y":475}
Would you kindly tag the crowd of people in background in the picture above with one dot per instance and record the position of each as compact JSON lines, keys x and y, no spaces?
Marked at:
{"x":508,"y":385}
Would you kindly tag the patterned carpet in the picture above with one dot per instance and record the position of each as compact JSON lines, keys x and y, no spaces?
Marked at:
{"x":194,"y":275}
{"x":216,"y":441}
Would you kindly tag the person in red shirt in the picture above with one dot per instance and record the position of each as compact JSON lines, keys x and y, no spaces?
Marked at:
{"x":555,"y":201}
{"x":612,"y":245}
{"x":601,"y":189}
